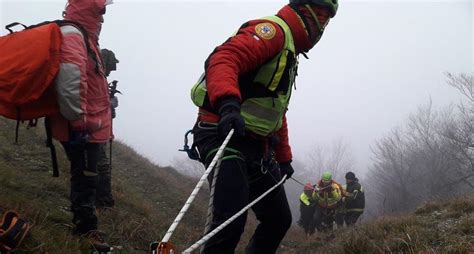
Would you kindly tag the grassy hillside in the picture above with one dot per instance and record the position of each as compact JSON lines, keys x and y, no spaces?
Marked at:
{"x":445,"y":227}
{"x":149,"y":197}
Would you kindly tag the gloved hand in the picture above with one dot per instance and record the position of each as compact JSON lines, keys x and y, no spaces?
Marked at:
{"x":229,"y":112}
{"x":78,"y":137}
{"x":286,"y":169}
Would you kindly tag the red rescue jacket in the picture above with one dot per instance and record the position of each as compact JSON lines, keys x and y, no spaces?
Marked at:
{"x":245,"y":52}
{"x":81,"y":83}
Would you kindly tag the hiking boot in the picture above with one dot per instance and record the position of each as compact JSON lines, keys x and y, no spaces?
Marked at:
{"x":97,"y":241}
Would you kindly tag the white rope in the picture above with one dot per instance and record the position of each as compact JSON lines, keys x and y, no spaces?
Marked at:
{"x":196,"y":189}
{"x":231,"y":219}
{"x":211,"y":197}
{"x":210,"y":208}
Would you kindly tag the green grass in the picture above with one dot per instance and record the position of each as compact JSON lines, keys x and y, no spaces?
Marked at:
{"x":148,"y":198}
{"x":445,"y":227}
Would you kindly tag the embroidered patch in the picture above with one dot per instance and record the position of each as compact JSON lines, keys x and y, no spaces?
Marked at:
{"x":265,"y":31}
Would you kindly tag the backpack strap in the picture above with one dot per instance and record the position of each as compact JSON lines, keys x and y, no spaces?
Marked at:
{"x":65,"y":23}
{"x":17,"y":128}
{"x":9,"y":26}
{"x":86,"y":39}
{"x":52,"y":148}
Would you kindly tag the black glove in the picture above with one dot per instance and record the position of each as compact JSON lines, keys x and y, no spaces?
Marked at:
{"x":78,"y":137}
{"x":286,"y":169}
{"x":229,"y":112}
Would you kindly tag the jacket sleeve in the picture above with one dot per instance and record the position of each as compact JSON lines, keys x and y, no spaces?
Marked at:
{"x":71,"y":81}
{"x":283,"y":149}
{"x":245,"y":51}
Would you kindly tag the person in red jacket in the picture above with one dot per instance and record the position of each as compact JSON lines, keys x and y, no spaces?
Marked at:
{"x":246,"y":86}
{"x":84,"y":122}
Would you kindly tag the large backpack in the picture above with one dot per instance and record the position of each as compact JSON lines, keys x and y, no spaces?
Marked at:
{"x":29,"y":63}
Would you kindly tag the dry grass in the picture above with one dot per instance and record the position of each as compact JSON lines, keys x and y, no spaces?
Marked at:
{"x":434,"y":228}
{"x":149,"y":197}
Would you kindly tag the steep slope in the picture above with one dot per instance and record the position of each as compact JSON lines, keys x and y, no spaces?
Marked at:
{"x":148,"y":196}
{"x":444,"y":227}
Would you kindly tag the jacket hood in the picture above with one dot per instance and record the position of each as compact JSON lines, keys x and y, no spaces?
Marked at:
{"x":298,"y":17}
{"x":300,"y":36}
{"x":87,"y":13}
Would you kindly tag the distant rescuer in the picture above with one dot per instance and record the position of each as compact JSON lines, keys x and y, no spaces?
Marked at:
{"x":247,"y":86}
{"x":354,"y":203}
{"x":104,"y":198}
{"x":307,"y":208}
{"x":85,"y":119}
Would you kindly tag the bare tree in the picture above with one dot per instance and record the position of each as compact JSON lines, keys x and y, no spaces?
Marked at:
{"x":429,"y":157}
{"x":459,"y":131}
{"x":464,"y":83}
{"x":335,"y":158}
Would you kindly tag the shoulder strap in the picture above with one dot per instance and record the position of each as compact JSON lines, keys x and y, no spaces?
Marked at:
{"x":86,"y":39}
{"x":52,"y":148}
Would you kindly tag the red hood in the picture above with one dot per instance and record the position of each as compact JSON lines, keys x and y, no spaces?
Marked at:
{"x":300,"y":36}
{"x":88,"y":13}
{"x":302,"y":41}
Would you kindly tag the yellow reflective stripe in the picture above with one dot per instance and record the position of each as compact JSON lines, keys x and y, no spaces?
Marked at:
{"x":280,"y":71}
{"x":305,"y":199}
{"x":355,"y":210}
{"x":289,"y":42}
{"x":259,"y":110}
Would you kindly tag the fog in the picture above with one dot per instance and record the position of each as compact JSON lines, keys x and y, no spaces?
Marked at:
{"x":376,"y":63}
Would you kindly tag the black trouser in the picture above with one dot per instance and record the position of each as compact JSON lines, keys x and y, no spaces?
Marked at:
{"x":241,"y":179}
{"x":324,"y":218}
{"x":351,"y":217}
{"x":104,"y":196}
{"x":339,"y":218}
{"x":306,"y":218}
{"x":83,"y":159}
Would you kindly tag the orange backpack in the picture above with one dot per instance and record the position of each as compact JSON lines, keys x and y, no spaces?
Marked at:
{"x":29,"y":62}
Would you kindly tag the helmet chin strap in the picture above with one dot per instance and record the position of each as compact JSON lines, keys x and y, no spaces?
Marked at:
{"x":300,"y":15}
{"x":320,"y":27}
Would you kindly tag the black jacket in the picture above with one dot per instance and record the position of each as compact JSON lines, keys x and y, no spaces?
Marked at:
{"x":357,"y":198}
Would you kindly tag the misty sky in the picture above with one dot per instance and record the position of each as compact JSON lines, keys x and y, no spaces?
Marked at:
{"x":377,"y":62}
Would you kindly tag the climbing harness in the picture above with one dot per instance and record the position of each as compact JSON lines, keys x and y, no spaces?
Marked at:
{"x":164,"y":247}
{"x":231,"y":219}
